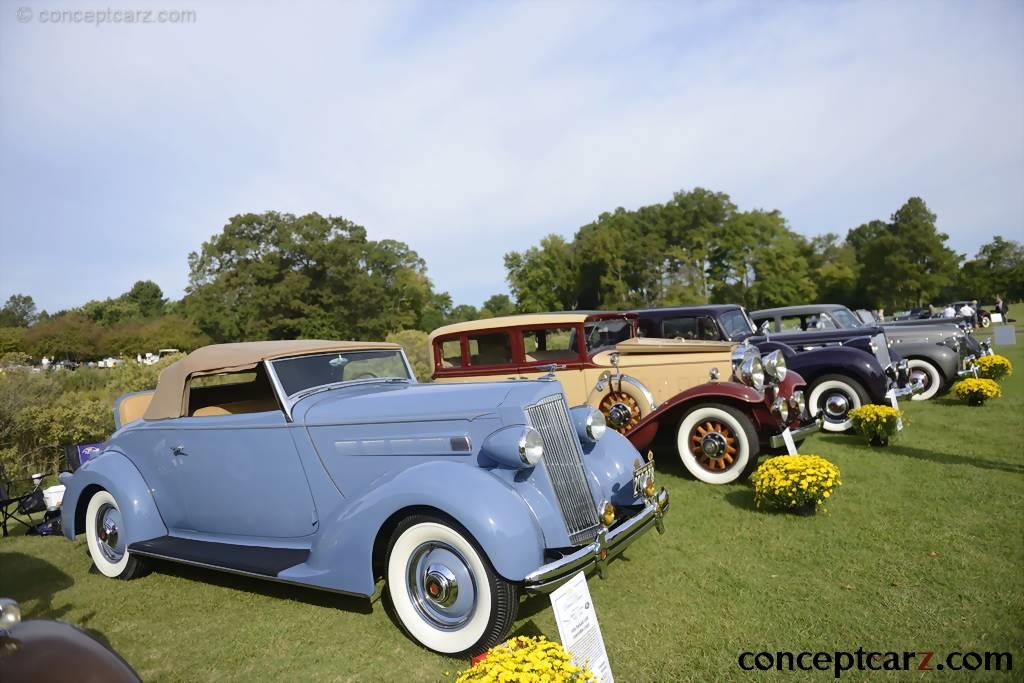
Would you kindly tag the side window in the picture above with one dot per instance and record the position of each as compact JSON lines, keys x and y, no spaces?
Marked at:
{"x":793,"y":323}
{"x":548,"y":344}
{"x":679,"y":328}
{"x":231,"y":393}
{"x":825,"y":322}
{"x":451,"y":353}
{"x":649,"y":328}
{"x":489,"y":349}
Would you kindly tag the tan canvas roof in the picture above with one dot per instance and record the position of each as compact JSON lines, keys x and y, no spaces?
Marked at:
{"x":169,"y":399}
{"x":566,"y":318}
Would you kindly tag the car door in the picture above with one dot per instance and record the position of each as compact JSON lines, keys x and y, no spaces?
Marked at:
{"x":236,"y":475}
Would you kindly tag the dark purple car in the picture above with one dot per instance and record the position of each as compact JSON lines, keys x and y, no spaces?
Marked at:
{"x":843,"y":369}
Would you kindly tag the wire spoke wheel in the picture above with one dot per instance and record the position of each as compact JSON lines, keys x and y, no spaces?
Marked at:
{"x":620,"y":410}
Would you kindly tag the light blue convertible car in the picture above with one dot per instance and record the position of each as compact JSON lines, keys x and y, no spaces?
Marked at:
{"x":325,"y":464}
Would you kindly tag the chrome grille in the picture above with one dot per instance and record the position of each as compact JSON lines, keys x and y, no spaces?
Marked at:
{"x":882,"y":349}
{"x":563,"y":459}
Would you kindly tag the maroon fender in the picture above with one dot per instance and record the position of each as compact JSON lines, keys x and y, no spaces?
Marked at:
{"x":731,"y":393}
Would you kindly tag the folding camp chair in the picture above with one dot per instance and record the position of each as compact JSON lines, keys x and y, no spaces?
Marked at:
{"x":18,"y":506}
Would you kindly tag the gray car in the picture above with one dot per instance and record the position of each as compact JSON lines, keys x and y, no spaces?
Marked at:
{"x":937,"y":352}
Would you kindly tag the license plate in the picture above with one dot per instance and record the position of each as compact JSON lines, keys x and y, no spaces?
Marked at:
{"x":640,"y":476}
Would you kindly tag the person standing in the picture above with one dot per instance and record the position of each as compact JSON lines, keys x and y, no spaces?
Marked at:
{"x":1001,"y":307}
{"x":967,"y":313}
{"x":948,"y":311}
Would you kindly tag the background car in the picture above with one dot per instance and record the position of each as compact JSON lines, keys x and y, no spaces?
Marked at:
{"x":720,"y":404}
{"x":55,"y":652}
{"x":841,"y":374}
{"x":325,"y":464}
{"x":937,"y":352}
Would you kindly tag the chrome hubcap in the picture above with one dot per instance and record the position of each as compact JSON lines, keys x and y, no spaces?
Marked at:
{"x":920,"y":376}
{"x":836,"y":405}
{"x":441,"y":585}
{"x":108,"y":523}
{"x":619,"y":416}
{"x":714,"y":445}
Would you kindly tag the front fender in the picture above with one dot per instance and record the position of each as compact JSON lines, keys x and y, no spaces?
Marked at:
{"x":729,"y":392}
{"x":113,"y":471}
{"x":858,"y":364}
{"x":610,"y":463}
{"x":495,"y":515}
{"x":944,"y":358}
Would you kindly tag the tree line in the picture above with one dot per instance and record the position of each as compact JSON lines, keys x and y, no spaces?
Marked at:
{"x":279,"y":276}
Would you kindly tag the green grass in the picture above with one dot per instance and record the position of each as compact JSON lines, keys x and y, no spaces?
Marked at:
{"x":922,"y":549}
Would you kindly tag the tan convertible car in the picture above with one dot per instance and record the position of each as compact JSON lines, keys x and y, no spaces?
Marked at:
{"x":724,"y":402}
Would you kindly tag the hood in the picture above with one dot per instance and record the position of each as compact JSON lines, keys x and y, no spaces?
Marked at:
{"x":390,"y":402}
{"x":818,"y":336}
{"x":935,"y":332}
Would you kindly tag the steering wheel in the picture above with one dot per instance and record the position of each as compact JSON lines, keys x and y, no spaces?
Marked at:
{"x":365,"y":375}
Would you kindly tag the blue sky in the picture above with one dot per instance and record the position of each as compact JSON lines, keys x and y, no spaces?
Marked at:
{"x":472,"y":129}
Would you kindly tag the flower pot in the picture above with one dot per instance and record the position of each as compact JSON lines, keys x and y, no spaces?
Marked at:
{"x":879,"y":441}
{"x":804,"y":510}
{"x":976,"y":401}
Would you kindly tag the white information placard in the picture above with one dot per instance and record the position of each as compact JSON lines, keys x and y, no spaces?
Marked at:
{"x":578,"y":628}
{"x":787,"y":437}
{"x":891,"y":395}
{"x":996,"y":317}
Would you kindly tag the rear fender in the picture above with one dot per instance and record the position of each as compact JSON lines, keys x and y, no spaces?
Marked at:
{"x":494,"y":514}
{"x":111,"y":471}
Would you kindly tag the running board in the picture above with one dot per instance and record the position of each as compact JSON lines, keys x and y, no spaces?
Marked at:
{"x":244,"y":559}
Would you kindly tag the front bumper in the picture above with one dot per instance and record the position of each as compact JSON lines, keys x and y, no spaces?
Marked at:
{"x":609,"y":543}
{"x":805,"y":429}
{"x":970,"y":367}
{"x":908,"y":389}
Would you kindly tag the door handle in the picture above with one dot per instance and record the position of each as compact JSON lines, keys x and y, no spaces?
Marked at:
{"x":178,"y":450}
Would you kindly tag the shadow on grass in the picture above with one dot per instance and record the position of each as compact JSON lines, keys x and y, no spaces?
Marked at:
{"x":934,"y":456}
{"x":33,"y":582}
{"x":269,"y":588}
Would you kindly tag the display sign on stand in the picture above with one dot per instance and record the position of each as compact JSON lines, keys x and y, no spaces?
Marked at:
{"x":578,"y":628}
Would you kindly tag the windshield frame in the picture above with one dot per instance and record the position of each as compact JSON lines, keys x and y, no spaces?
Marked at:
{"x":288,"y":401}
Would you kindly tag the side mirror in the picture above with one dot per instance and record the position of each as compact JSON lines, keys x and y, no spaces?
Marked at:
{"x":765,"y":328}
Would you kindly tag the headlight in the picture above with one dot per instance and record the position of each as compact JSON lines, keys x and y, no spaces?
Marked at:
{"x":739,"y":354}
{"x":752,"y":372}
{"x":531,"y":446}
{"x":596,"y":425}
{"x":775,"y":365}
{"x":781,"y":409}
{"x":590,"y":423}
{"x":798,"y":403}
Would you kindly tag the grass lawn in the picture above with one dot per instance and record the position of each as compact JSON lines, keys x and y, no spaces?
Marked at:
{"x":922,"y":549}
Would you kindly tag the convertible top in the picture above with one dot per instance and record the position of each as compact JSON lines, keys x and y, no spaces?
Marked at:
{"x":169,"y":399}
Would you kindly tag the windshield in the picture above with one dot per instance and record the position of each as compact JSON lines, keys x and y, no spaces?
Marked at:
{"x":736,"y":324}
{"x":306,"y":372}
{"x":601,"y":333}
{"x":846,"y":318}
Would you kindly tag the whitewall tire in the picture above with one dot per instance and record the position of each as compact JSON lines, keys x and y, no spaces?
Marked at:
{"x":835,"y":396}
{"x":444,"y":591}
{"x":104,"y":533}
{"x":929,"y":374}
{"x":717,"y":444}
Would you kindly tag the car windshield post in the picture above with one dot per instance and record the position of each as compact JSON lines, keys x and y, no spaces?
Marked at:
{"x":846,"y":317}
